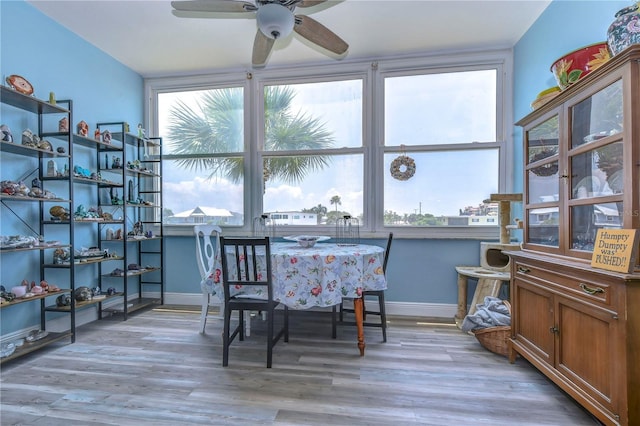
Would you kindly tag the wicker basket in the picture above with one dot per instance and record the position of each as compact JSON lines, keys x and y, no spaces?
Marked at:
{"x":495,"y":339}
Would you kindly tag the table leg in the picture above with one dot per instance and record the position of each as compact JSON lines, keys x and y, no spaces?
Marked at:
{"x":462,"y":299}
{"x":358,"y":310}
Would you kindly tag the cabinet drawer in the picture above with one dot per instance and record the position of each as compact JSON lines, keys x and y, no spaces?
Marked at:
{"x":581,"y":287}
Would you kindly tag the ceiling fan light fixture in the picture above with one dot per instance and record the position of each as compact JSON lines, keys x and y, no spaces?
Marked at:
{"x":274,"y":20}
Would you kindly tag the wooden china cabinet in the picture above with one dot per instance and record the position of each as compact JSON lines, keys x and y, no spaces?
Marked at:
{"x":579,"y":325}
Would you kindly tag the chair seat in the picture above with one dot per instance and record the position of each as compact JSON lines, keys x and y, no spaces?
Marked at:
{"x":248,"y":303}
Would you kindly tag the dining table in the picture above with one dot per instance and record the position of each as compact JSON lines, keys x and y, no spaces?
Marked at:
{"x":324,"y":275}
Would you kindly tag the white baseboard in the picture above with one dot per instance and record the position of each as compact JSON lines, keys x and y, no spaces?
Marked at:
{"x":409,"y":309}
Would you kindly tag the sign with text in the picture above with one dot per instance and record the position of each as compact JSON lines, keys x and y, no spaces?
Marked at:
{"x":615,"y":250}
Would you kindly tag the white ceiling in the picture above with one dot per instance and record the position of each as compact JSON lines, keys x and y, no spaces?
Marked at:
{"x":145,"y":36}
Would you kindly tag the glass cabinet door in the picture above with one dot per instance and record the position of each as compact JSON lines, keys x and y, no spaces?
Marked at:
{"x":543,"y":183}
{"x":596,"y":167}
{"x":598,"y":116}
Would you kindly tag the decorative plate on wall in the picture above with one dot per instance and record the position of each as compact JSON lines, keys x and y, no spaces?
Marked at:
{"x":20,"y":84}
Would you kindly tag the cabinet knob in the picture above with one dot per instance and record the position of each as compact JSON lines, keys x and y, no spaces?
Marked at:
{"x":523,"y":269}
{"x":554,"y":329}
{"x":591,"y":290}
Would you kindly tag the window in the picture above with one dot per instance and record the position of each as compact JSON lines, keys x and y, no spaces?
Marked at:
{"x":204,"y":156}
{"x":307,"y":146}
{"x":445,"y":122}
{"x":321,"y":124}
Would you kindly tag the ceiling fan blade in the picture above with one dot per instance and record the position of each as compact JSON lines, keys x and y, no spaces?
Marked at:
{"x":317,"y":33}
{"x":262,"y":46}
{"x":310,"y":3}
{"x":223,"y":6}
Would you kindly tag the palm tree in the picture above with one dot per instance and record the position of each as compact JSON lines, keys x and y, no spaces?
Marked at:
{"x":320,"y":210}
{"x":217,"y":127}
{"x":336,"y":200}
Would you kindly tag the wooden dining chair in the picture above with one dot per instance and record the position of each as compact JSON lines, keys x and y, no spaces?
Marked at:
{"x":207,"y":242}
{"x":339,"y":310}
{"x":241,"y":267}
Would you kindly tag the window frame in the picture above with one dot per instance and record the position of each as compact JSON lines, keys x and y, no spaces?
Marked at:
{"x":373,"y":149}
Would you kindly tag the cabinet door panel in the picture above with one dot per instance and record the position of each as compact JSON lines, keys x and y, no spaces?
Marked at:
{"x":586,"y":347}
{"x":535,"y":319}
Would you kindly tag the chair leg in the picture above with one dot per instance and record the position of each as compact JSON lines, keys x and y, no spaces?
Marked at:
{"x":247,"y":325}
{"x":286,"y":323}
{"x":241,"y":321}
{"x":270,"y":338}
{"x":225,"y":337}
{"x":334,"y":320}
{"x":221,"y":311}
{"x":383,"y":316}
{"x":205,"y":311}
{"x":341,"y":313}
{"x":364,"y":309}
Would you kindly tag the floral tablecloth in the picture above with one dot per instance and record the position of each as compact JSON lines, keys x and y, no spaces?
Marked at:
{"x":318,"y":276}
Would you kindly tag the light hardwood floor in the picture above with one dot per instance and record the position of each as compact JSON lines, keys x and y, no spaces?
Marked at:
{"x":156,"y":369}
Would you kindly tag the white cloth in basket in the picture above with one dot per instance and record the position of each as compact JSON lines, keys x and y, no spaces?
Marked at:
{"x":492,"y":313}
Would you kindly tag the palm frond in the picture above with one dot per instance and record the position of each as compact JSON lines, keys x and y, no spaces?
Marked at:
{"x":217,"y":126}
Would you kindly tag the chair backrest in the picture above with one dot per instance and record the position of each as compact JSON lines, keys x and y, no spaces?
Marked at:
{"x":246,"y":262}
{"x":386,"y":253}
{"x":207,"y":242}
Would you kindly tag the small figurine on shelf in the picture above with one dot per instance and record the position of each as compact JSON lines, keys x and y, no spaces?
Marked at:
{"x":96,"y":134}
{"x":52,"y":168}
{"x":130,"y":195}
{"x":80,"y":171}
{"x":60,"y":256}
{"x":83,"y":128}
{"x":106,"y":136}
{"x":81,"y":212}
{"x":29,"y":139}
{"x":7,"y":136}
{"x":63,"y":125}
{"x":138,"y":229}
{"x":59,"y":213}
{"x":115,"y":199}
{"x":115,"y":163}
{"x":140,"y":131}
{"x":133,"y":166}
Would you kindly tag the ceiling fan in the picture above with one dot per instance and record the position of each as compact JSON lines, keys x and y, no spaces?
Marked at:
{"x":275,"y":20}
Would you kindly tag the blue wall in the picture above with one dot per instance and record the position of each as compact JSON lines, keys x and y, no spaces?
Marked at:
{"x":563,"y":27}
{"x":55,"y":60}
